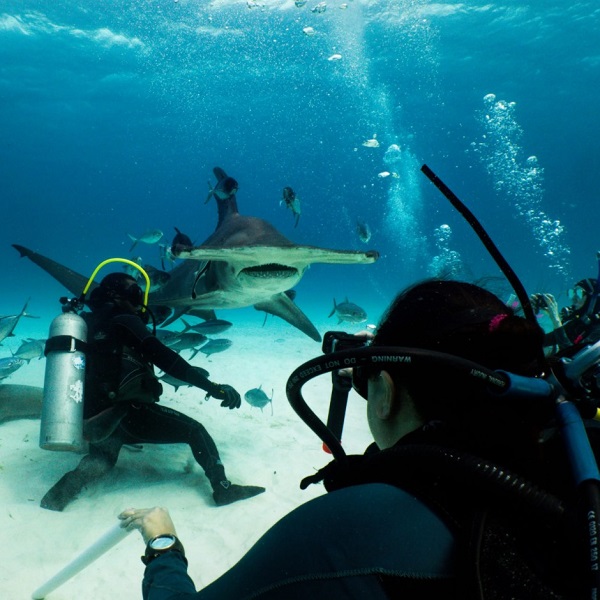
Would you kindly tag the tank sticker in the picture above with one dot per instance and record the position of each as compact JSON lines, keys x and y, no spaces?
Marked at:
{"x":79,"y":362}
{"x":76,"y":391}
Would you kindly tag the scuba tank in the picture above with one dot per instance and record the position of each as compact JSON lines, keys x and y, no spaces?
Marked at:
{"x":64,"y":380}
{"x":62,"y":405}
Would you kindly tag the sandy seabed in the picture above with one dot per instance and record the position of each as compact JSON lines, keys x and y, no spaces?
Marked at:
{"x":259,"y":448}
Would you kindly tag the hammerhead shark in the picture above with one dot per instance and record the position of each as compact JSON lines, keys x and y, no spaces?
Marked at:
{"x":245,"y":262}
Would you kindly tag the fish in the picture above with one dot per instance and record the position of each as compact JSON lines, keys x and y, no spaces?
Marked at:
{"x":319,"y":8}
{"x":20,"y":402}
{"x":257,"y":398}
{"x":214,"y":346}
{"x":292,"y":202}
{"x":9,"y":322}
{"x":308,"y":31}
{"x":385,"y":174}
{"x":225,"y":188}
{"x":166,"y":336}
{"x":177,"y":383}
{"x":335,"y":57}
{"x":9,"y":365}
{"x":349,"y":312}
{"x":148,"y":237}
{"x":244,"y":262}
{"x":180,"y":243}
{"x":31,"y":348}
{"x":212,"y":327}
{"x":300,"y":3}
{"x":188,"y":341}
{"x":363,"y":230}
{"x":372,"y":143}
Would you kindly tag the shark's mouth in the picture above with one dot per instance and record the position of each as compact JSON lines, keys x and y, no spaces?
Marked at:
{"x":270,"y":271}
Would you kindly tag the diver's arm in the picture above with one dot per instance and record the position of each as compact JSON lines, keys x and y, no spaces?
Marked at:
{"x":166,"y":578}
{"x":134,"y":333}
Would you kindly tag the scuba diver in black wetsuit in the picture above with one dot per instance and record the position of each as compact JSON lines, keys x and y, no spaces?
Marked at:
{"x":122,"y":395}
{"x":575,"y":324}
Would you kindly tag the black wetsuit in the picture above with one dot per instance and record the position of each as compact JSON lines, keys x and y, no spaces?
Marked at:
{"x":120,"y":406}
{"x":421,"y":519}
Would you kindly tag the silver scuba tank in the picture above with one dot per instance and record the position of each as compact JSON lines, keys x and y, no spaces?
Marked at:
{"x":62,"y":405}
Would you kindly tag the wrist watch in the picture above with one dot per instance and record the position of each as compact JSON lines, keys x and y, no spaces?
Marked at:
{"x":160,"y":545}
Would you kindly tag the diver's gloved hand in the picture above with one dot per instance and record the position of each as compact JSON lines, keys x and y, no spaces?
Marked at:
{"x":222,"y":391}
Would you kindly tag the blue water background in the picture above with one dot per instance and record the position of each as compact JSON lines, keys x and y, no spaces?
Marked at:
{"x":113,"y":115}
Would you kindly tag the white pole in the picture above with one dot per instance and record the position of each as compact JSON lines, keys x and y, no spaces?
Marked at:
{"x":112,"y":537}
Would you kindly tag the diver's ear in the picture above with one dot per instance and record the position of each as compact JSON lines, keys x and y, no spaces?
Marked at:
{"x":386,"y":396}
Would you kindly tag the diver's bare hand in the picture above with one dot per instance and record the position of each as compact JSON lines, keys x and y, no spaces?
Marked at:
{"x":149,"y":521}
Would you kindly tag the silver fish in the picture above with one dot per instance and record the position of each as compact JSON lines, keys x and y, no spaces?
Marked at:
{"x":31,"y":348}
{"x":148,"y":237}
{"x":214,"y":346}
{"x":188,"y":341}
{"x":9,"y":322}
{"x":257,"y":398}
{"x":9,"y":365}
{"x":349,"y":312}
{"x":208,"y":327}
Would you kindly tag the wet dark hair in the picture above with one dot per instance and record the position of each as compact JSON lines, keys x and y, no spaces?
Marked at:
{"x":470,"y":322}
{"x":116,"y":286}
{"x":464,"y":320}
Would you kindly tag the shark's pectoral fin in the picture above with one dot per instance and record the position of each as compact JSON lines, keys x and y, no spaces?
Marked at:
{"x":281,"y":306}
{"x":73,"y":281}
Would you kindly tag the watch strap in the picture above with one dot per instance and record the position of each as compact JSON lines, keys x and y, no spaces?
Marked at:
{"x":152,"y":553}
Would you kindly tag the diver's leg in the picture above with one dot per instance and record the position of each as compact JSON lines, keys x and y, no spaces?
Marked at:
{"x":157,"y":424}
{"x":93,"y":466}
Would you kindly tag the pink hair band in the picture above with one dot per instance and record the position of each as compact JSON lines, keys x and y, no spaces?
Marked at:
{"x":496,"y":320}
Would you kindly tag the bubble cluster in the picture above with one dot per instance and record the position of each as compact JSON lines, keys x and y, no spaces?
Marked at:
{"x":446,"y":263}
{"x":521,"y":181}
{"x":405,"y":205}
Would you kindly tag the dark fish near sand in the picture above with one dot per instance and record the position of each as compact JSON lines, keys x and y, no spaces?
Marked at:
{"x":363,"y":230}
{"x":148,"y":237}
{"x":257,"y":398}
{"x":214,"y":346}
{"x":30,"y":349}
{"x":212,"y":327}
{"x":9,"y":322}
{"x":9,"y":365}
{"x":349,"y":312}
{"x":292,"y":202}
{"x":177,"y":383}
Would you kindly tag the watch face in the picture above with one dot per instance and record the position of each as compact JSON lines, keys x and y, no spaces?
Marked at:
{"x":162,"y":543}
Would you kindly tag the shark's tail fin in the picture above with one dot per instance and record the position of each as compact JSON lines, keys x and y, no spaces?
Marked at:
{"x":333,"y":309}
